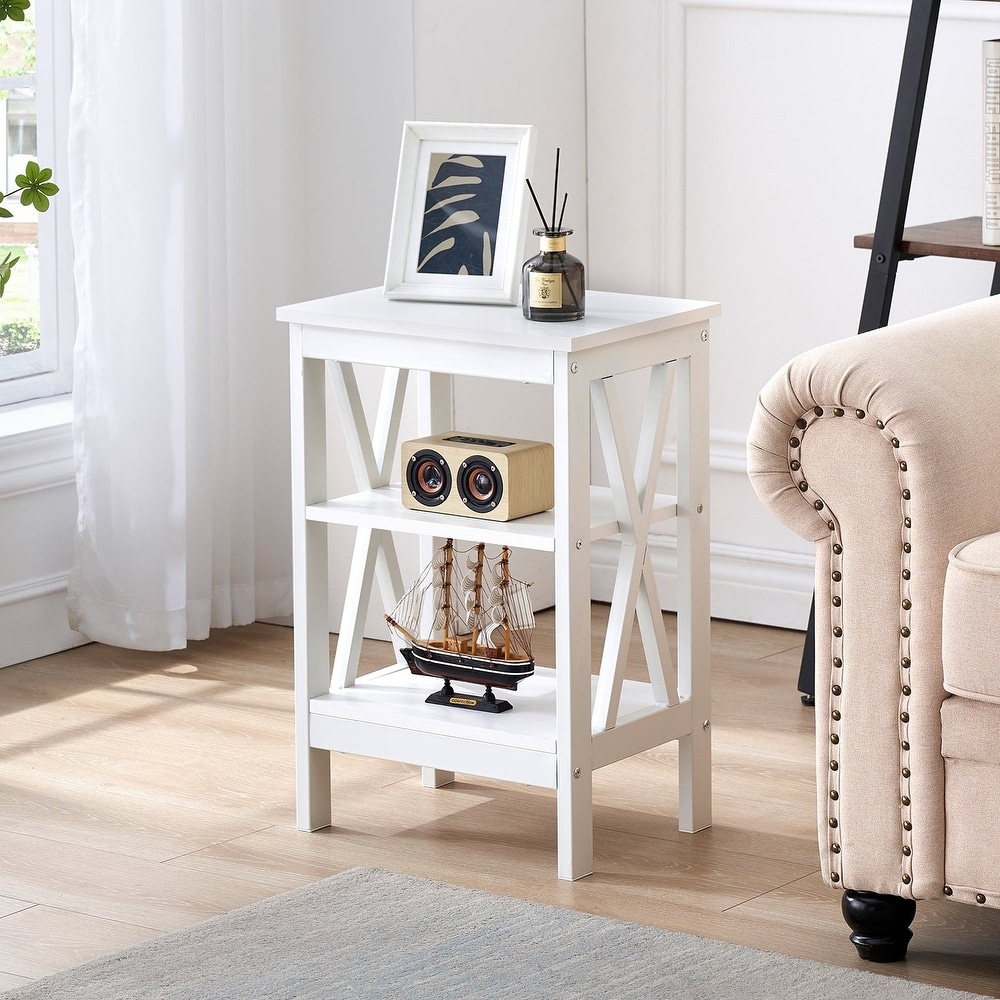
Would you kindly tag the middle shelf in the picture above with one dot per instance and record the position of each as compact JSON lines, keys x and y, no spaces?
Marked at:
{"x":382,"y":508}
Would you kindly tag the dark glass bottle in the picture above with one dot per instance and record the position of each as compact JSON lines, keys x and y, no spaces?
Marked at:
{"x":552,"y":286}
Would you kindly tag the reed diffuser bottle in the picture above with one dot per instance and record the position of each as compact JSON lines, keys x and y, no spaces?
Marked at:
{"x":552,"y":283}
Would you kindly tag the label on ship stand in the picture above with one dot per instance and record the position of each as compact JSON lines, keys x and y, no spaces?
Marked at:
{"x":545,"y":290}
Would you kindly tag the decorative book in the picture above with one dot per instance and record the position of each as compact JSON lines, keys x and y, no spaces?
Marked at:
{"x":991,"y":142}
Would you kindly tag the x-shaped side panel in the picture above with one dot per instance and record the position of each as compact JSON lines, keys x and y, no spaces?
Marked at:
{"x":372,"y":456}
{"x":633,"y":488}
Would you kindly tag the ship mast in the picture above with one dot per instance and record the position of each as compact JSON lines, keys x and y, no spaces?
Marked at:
{"x":446,"y":589}
{"x":505,"y":584}
{"x":477,"y":595}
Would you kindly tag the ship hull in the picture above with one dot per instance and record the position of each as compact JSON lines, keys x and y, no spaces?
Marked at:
{"x":450,"y":665}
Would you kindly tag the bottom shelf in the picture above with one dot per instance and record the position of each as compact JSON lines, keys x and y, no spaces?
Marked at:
{"x":384,"y":715}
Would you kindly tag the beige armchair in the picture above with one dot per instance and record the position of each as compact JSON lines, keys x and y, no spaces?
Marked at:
{"x":884,"y":449}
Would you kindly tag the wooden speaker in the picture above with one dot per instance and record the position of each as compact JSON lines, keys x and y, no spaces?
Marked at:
{"x":477,"y":476}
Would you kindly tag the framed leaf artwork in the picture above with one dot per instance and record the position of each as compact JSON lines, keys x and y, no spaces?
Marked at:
{"x":460,"y":212}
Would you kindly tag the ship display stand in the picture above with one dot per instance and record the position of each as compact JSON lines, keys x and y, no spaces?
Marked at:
{"x":578,"y":713}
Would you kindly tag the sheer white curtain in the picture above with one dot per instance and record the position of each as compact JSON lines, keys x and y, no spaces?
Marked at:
{"x":179,"y":129}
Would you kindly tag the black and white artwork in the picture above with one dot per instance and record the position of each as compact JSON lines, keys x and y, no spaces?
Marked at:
{"x":461,"y":214}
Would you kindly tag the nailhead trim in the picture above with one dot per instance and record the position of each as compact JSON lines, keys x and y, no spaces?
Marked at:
{"x":970,"y":894}
{"x":905,"y":635}
{"x":837,"y":597}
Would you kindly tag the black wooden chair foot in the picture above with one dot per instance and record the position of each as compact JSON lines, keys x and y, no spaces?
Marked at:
{"x":881,"y":924}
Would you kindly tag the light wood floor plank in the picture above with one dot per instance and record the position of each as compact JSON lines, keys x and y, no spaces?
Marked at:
{"x":43,"y":939}
{"x":115,"y":886}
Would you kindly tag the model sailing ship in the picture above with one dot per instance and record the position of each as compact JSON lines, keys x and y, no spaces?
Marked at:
{"x":478,"y":623}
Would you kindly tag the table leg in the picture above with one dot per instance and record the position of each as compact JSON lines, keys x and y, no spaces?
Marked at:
{"x":574,"y":765}
{"x":693,"y":588}
{"x":310,"y":582}
{"x":433,"y":777}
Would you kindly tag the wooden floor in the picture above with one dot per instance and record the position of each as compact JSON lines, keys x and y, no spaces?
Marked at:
{"x":143,"y":792}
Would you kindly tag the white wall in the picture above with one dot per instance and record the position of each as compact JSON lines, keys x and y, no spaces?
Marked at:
{"x":721,"y":149}
{"x":786,"y":114}
{"x":754,"y":134}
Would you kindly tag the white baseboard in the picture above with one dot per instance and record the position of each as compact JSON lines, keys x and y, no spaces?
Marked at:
{"x":33,"y":621}
{"x":748,"y":584}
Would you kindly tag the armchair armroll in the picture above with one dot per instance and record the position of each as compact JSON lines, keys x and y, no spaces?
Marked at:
{"x":882,"y":450}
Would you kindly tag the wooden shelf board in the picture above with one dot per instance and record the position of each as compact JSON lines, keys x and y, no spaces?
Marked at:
{"x":383,"y":508}
{"x":962,"y":238}
{"x":394,"y":698}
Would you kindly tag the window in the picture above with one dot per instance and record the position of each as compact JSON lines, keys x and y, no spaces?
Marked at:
{"x":36,"y":310}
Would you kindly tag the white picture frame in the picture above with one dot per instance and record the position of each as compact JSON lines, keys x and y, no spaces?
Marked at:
{"x":460,"y":211}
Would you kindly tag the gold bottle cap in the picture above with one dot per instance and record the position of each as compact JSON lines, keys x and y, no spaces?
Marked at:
{"x":552,"y":244}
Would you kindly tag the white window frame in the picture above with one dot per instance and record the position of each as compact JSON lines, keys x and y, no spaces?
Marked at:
{"x":48,"y":371}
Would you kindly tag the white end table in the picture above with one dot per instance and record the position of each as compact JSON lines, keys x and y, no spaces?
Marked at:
{"x":567,"y":721}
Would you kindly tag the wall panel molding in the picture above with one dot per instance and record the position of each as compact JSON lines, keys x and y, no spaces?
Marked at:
{"x":36,"y":449}
{"x":950,"y":11}
{"x":36,"y":458}
{"x":727,"y":453}
{"x":749,"y":584}
{"x":29,"y":590}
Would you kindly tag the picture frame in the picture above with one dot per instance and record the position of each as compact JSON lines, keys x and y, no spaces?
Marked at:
{"x":460,"y":211}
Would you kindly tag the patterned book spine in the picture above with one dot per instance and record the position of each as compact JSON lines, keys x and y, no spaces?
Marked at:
{"x":991,"y":142}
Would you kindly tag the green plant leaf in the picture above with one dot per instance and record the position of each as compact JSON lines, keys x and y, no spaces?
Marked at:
{"x":30,"y":175}
{"x":6,"y":213}
{"x":34,"y":185}
{"x":5,"y":270}
{"x":14,"y":9}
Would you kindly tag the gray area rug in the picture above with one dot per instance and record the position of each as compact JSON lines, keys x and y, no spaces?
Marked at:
{"x":377,"y":934}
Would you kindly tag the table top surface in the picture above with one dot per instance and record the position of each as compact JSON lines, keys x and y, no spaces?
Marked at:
{"x":610,"y":317}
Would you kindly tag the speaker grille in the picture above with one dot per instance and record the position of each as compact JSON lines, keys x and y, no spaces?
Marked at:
{"x":428,"y":478}
{"x":480,"y":484}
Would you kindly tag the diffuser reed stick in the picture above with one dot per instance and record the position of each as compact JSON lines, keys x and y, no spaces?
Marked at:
{"x":555,"y":188}
{"x":534,"y":198}
{"x":551,"y":228}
